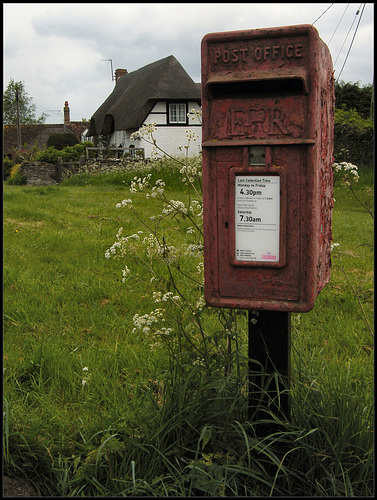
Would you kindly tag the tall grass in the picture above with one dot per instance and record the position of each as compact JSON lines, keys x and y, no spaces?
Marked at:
{"x":91,"y":410}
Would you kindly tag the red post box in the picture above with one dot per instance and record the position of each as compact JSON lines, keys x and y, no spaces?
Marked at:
{"x":268,"y":119}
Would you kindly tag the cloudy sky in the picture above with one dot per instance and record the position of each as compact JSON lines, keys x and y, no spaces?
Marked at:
{"x":57,"y":49}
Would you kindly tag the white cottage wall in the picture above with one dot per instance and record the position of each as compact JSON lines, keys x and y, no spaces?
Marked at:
{"x":171,"y":139}
{"x":168,"y":137}
{"x":158,"y":114}
{"x":118,"y":138}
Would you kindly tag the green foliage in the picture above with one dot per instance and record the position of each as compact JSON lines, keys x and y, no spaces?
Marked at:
{"x":27,"y":108}
{"x":350,"y":96}
{"x":355,"y":134}
{"x":7,"y":166}
{"x":49,"y":155}
{"x":68,"y":153}
{"x":16,"y":178}
{"x":25,"y":154}
{"x":59,"y":141}
{"x":353,"y":130}
{"x":73,"y":153}
{"x":350,"y":118}
{"x":122,"y":174}
{"x":102,"y":400}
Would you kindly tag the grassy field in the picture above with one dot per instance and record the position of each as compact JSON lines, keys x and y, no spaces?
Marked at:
{"x":92,"y":409}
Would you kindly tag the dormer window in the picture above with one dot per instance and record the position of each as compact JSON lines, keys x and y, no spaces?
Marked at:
{"x":177,"y":113}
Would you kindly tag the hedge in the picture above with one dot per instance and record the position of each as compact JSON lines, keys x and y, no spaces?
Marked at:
{"x":354,"y":134}
{"x":60,"y":141}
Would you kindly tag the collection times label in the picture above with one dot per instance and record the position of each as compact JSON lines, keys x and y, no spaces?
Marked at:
{"x":257,"y":218}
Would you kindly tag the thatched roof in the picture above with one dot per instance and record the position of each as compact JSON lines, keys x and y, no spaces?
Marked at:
{"x":136,"y":93}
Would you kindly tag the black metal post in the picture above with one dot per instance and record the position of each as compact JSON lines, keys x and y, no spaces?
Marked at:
{"x":269,"y":364}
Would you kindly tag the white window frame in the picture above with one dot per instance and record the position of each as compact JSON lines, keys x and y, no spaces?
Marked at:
{"x":179,"y":109}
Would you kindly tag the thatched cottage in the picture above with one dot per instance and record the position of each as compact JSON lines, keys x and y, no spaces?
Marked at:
{"x":162,"y":93}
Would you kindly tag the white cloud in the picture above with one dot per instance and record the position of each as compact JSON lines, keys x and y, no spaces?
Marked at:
{"x":57,"y":48}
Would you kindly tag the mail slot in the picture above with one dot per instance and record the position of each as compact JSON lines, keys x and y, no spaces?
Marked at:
{"x":267,"y":141}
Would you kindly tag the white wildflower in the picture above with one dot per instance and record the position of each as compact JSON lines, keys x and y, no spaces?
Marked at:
{"x":144,"y":131}
{"x":196,"y":205}
{"x":349,"y":171}
{"x":139,"y":183}
{"x":124,"y":203}
{"x":175,"y":206}
{"x":125,"y":273}
{"x":142,"y":323}
{"x":200,"y":305}
{"x":194,"y":250}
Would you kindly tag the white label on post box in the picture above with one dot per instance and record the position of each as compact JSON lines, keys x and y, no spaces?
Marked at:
{"x":257,"y":217}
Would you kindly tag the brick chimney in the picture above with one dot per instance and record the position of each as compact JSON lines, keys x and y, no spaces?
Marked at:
{"x":66,"y":113}
{"x":119,"y":73}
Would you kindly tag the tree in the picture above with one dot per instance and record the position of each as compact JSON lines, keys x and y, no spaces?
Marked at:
{"x":26,"y":106}
{"x":351,"y":96}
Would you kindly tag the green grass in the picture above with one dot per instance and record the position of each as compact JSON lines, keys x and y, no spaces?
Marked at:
{"x":66,"y":309}
{"x":65,"y":306}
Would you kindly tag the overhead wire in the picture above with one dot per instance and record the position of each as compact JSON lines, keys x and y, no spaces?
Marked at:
{"x":57,"y":112}
{"x":353,"y":38}
{"x":337,"y":26}
{"x":354,"y":19}
{"x":324,"y":12}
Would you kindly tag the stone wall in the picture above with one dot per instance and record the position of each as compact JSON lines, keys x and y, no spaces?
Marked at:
{"x":40,"y":174}
{"x":43,"y":174}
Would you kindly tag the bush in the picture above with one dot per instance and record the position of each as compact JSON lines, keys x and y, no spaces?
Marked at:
{"x":355,"y":134}
{"x":16,"y":178}
{"x":60,"y":141}
{"x":352,"y":96}
{"x":7,"y":167}
{"x":68,"y":153}
{"x":73,"y":153}
{"x":49,"y":155}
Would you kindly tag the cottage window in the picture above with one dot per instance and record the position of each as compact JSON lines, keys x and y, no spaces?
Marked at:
{"x":177,"y":113}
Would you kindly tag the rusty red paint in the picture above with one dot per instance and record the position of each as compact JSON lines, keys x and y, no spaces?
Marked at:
{"x":272,"y":88}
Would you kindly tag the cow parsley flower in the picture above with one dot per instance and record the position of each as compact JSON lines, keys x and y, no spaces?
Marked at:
{"x":349,"y":173}
{"x":125,"y":273}
{"x":124,"y":203}
{"x":144,"y":131}
{"x":143,"y":323}
{"x":175,"y":206}
{"x":139,"y":183}
{"x":85,"y":380}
